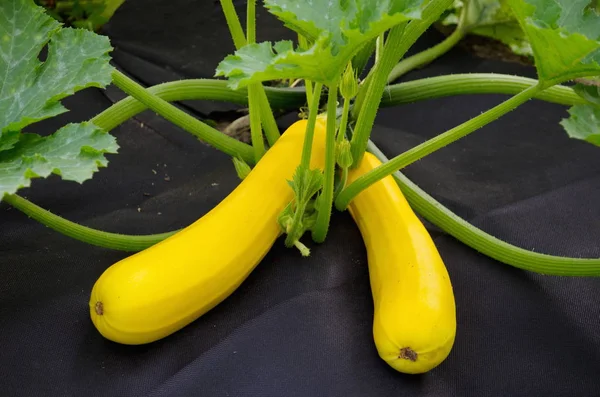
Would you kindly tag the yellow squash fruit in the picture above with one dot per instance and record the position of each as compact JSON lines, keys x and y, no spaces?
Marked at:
{"x":155,"y":292}
{"x":414,"y":324}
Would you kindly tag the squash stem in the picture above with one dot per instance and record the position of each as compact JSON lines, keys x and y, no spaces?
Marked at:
{"x":398,"y":41}
{"x":233,"y":22}
{"x":310,"y":126}
{"x":319,"y":232}
{"x":424,"y":57}
{"x":256,"y":134}
{"x":203,"y":131}
{"x":433,"y":211}
{"x":195,"y":89}
{"x":253,"y":97}
{"x":473,"y":83}
{"x":304,"y":250}
{"x":344,"y":121}
{"x":267,"y":117}
{"x":430,"y":146}
{"x":82,"y":233}
{"x":291,"y":98}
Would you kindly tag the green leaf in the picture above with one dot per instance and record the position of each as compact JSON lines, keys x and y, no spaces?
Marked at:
{"x":480,"y":13}
{"x":299,"y":216}
{"x":493,"y":19}
{"x":564,"y":37}
{"x":590,"y":92}
{"x":583,"y":123}
{"x":305,"y":183}
{"x":337,"y":29}
{"x":31,"y":90}
{"x":74,"y":152}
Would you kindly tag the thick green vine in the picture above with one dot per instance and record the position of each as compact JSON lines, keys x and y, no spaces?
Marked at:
{"x":428,"y":147}
{"x":82,"y":233}
{"x":436,"y":213}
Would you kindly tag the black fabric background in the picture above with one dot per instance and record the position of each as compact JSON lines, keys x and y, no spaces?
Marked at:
{"x":302,"y":327}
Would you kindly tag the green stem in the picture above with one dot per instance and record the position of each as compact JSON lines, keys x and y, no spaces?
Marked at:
{"x":267,"y":117}
{"x":430,"y":146}
{"x":473,"y":83}
{"x":178,"y":117}
{"x":427,"y":56}
{"x":344,"y":121}
{"x":309,"y":91}
{"x":310,"y":126}
{"x":235,"y":28}
{"x":195,"y":89}
{"x":360,"y":60}
{"x":253,"y":97}
{"x":255,"y":125}
{"x":399,"y":40}
{"x":290,"y":98}
{"x":319,"y":232}
{"x":303,"y":44}
{"x":251,"y":21}
{"x":436,"y":213}
{"x":82,"y":233}
{"x":342,"y":182}
{"x":379,"y":42}
{"x":233,"y":22}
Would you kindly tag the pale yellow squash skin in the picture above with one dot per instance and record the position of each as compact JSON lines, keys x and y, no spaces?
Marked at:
{"x":414,"y":323}
{"x":158,"y":291}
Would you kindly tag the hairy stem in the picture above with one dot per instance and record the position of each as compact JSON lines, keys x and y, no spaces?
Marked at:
{"x":310,"y":126}
{"x":239,"y":40}
{"x":436,"y":213}
{"x":430,"y":146}
{"x":82,"y":233}
{"x":473,"y":83}
{"x":233,"y":22}
{"x":267,"y":117}
{"x":180,"y":118}
{"x":292,"y":98}
{"x":427,"y":56}
{"x":344,"y":121}
{"x":398,"y":41}
{"x":194,"y":89}
{"x":253,"y":96}
{"x":319,"y":232}
{"x":255,"y":125}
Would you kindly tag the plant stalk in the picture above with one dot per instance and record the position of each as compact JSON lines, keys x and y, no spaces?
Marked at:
{"x":319,"y":232}
{"x":310,"y":126}
{"x":82,"y":233}
{"x":291,"y":98}
{"x":422,"y":58}
{"x":430,"y":146}
{"x":433,"y":211}
{"x":226,"y":144}
{"x":233,"y":22}
{"x":399,"y":40}
{"x":253,"y":96}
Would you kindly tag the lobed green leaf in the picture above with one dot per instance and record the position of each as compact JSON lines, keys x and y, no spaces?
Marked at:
{"x":31,"y":91}
{"x":337,"y":29}
{"x":74,"y":153}
{"x":583,"y":123}
{"x":564,"y":37}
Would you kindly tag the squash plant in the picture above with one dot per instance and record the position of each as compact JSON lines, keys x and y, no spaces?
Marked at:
{"x":327,"y":63}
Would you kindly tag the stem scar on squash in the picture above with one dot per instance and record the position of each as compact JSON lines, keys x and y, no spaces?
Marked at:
{"x":406,"y":353}
{"x":99,"y":308}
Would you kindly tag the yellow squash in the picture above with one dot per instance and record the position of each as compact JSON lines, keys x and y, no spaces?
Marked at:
{"x":414,"y":323}
{"x":158,"y":291}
